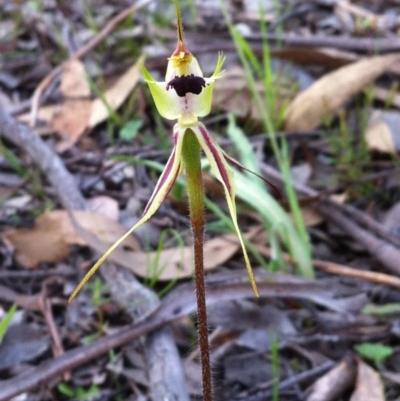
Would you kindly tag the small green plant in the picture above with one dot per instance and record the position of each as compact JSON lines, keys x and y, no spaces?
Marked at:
{"x":349,"y":151}
{"x":12,"y":160}
{"x":155,"y":268}
{"x":276,"y":221}
{"x":280,"y":148}
{"x":6,"y":321}
{"x":97,"y":290}
{"x":382,"y":310}
{"x":78,"y":393}
{"x":114,"y":122}
{"x":98,"y":300}
{"x":130,"y":130}
{"x":275,"y":367}
{"x":377,"y":353}
{"x":33,"y":175}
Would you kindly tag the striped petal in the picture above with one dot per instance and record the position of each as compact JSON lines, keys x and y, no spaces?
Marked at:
{"x":163,"y":186}
{"x":224,"y":173}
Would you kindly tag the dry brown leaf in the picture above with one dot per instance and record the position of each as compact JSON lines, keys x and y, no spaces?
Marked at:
{"x":50,"y":239}
{"x":178,"y":263}
{"x":327,"y":95}
{"x":175,"y":263}
{"x":78,"y":113}
{"x":45,"y":114}
{"x":105,"y":206}
{"x":74,"y":83}
{"x":368,"y":384}
{"x":70,"y":122}
{"x":44,"y":243}
{"x":116,"y":95}
{"x":167,"y":264}
{"x":71,"y":119}
{"x":22,"y":343}
{"x":312,"y":218}
{"x":387,"y":96}
{"x":334,"y":383}
{"x":382,"y":131}
{"x":232,"y":94}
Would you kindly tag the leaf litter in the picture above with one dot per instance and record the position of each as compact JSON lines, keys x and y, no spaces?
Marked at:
{"x":344,"y":132}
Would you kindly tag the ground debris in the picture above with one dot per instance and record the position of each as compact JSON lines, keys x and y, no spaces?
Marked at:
{"x":70,"y":72}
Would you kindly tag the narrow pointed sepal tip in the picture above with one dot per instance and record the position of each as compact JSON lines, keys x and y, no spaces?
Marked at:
{"x":161,"y":191}
{"x":254,"y":284}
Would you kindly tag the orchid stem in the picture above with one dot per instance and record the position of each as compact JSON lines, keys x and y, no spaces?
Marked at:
{"x":192,"y":162}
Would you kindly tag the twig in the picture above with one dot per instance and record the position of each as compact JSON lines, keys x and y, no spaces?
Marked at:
{"x":373,"y":277}
{"x":307,"y":376}
{"x":380,"y":248}
{"x":164,"y":366}
{"x":47,"y":312}
{"x":48,"y":161}
{"x":367,"y":45}
{"x":110,"y":26}
{"x":371,"y":46}
{"x":178,"y":303}
{"x":52,"y":368}
{"x":341,"y":270}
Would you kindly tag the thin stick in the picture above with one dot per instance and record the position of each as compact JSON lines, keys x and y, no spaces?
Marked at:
{"x":341,"y":270}
{"x":191,"y":158}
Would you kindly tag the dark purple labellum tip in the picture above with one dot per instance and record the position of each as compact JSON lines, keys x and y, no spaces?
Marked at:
{"x":187,"y":84}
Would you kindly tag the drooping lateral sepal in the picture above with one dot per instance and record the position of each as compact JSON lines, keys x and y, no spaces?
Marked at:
{"x":161,"y":191}
{"x":224,"y":173}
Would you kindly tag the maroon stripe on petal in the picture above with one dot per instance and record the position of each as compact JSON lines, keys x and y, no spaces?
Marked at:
{"x":167,"y":170}
{"x":161,"y":181}
{"x":168,"y":189}
{"x":222,"y":170}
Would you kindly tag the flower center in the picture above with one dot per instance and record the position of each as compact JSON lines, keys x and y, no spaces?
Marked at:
{"x":187,"y":84}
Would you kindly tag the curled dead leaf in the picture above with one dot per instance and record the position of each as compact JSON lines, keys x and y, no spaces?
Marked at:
{"x":167,"y":264}
{"x":78,"y":112}
{"x":381,"y":133}
{"x":116,"y":95}
{"x":369,"y":385}
{"x":77,"y":103}
{"x":334,"y":383}
{"x":327,"y":95}
{"x":53,"y":234}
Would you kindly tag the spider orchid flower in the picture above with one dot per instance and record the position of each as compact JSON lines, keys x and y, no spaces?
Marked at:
{"x":185,"y":95}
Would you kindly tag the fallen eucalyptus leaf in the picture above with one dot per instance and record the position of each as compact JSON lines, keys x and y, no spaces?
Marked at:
{"x":53,"y":234}
{"x":369,"y":385}
{"x":326,"y":96}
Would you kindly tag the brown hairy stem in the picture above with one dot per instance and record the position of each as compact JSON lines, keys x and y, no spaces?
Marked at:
{"x":191,"y":158}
